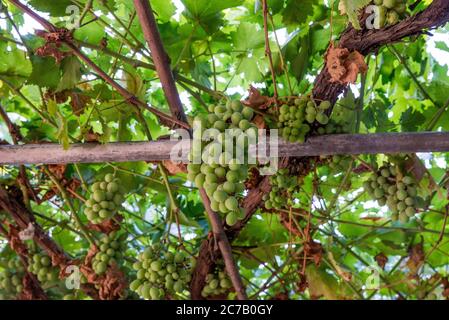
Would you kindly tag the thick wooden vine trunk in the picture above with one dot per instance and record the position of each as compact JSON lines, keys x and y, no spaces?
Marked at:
{"x":369,"y":41}
{"x":23,"y":217}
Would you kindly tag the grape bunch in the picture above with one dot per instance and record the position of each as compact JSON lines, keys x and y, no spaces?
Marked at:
{"x":390,"y":11}
{"x":105,"y":200}
{"x":161,"y":271}
{"x":11,"y":279}
{"x":220,"y":164}
{"x":41,"y":266}
{"x":392,"y":188}
{"x":294,"y":117}
{"x":283,"y":186}
{"x":341,"y":121}
{"x":112,"y":248}
{"x":217,"y":283}
{"x":340,"y":163}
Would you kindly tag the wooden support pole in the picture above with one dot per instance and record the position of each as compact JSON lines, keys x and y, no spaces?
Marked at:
{"x":386,"y":143}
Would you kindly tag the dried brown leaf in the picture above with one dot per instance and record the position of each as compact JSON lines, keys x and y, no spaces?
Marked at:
{"x":344,"y":66}
{"x":381,"y":260}
{"x":256,"y":100}
{"x":174,"y":168}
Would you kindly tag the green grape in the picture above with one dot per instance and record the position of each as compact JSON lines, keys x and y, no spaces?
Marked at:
{"x":389,"y":3}
{"x":389,"y":187}
{"x":160,"y":272}
{"x":41,"y":266}
{"x":283,"y":187}
{"x":105,"y":200}
{"x":11,"y":278}
{"x":111,"y":248}
{"x":294,"y":117}
{"x":340,"y":163}
{"x":217,"y":283}
{"x":220,"y":174}
{"x":390,"y":11}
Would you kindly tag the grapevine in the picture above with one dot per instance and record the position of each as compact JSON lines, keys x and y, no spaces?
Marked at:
{"x":390,"y":186}
{"x":11,"y":278}
{"x":161,"y":271}
{"x":296,"y":116}
{"x":40,"y":265}
{"x":112,"y":248}
{"x":128,"y":165}
{"x":105,"y":200}
{"x":218,"y":168}
{"x":390,"y":11}
{"x":217,"y":284}
{"x":281,"y":194}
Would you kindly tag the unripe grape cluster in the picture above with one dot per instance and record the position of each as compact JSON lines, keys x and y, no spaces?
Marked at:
{"x":105,"y":199}
{"x":283,"y":186}
{"x":220,"y":164}
{"x":390,"y":11}
{"x":340,"y":163}
{"x":392,"y":188}
{"x":341,"y":121}
{"x":112,"y":247}
{"x":217,"y":283}
{"x":11,"y":279}
{"x":161,"y":272}
{"x":294,"y":117}
{"x":40,"y":265}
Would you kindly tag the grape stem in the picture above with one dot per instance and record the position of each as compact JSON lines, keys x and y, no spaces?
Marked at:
{"x":66,"y":199}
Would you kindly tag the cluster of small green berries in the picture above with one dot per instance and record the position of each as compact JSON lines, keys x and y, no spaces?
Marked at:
{"x":11,"y":279}
{"x":283,"y":186}
{"x":294,"y":117}
{"x":390,"y":187}
{"x":40,"y":265}
{"x":105,"y":200}
{"x":214,"y":163}
{"x":340,"y":163}
{"x":112,"y":248}
{"x":390,"y":11}
{"x":217,"y":283}
{"x":341,"y":121}
{"x":161,"y":272}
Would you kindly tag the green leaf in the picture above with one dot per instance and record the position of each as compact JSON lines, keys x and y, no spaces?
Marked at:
{"x":322,"y":284}
{"x":54,"y":8}
{"x":14,"y":65}
{"x":200,"y":9}
{"x":71,"y":73}
{"x":164,"y":9}
{"x":91,"y":33}
{"x":352,"y":9}
{"x":248,"y":36}
{"x":441,"y":45}
{"x":62,"y":134}
{"x":46,"y":73}
{"x":52,"y":107}
{"x":297,"y":12}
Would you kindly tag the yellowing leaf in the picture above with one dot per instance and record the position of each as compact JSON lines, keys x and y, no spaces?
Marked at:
{"x":351,"y":8}
{"x":52,"y":107}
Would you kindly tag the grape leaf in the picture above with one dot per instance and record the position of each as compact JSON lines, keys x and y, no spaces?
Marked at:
{"x":351,"y":8}
{"x":46,"y":72}
{"x":71,"y":73}
{"x":54,"y":8}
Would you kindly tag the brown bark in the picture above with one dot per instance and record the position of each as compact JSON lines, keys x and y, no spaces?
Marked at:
{"x":365,"y":41}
